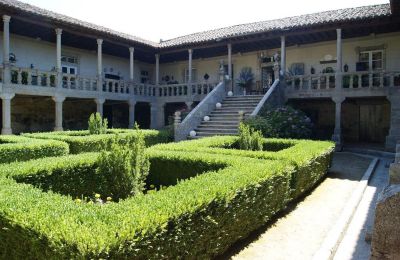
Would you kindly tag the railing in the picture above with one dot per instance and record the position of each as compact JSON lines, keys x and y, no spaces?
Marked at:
{"x":267,"y":96}
{"x":34,"y":77}
{"x":361,"y":79}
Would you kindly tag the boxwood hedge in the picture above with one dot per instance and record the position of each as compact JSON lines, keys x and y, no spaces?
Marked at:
{"x":199,"y":217}
{"x":82,"y":141}
{"x":18,"y":148}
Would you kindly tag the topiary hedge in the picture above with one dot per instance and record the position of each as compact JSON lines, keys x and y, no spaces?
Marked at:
{"x":83,"y":142}
{"x":18,"y":148}
{"x":231,"y":194}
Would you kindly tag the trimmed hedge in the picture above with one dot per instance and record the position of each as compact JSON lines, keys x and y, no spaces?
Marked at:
{"x":199,"y":217}
{"x":18,"y":148}
{"x":83,"y":142}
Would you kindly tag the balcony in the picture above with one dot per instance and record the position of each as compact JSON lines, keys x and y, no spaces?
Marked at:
{"x":373,"y":83}
{"x":37,"y":82}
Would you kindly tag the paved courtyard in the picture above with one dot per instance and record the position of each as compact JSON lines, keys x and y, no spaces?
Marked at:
{"x":299,"y":233}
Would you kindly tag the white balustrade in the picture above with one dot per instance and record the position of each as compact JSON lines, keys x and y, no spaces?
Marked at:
{"x":359,"y":79}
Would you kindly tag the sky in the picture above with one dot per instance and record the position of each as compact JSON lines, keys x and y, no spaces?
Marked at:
{"x":166,"y":19}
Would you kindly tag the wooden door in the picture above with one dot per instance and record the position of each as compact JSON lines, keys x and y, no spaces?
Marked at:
{"x":372,"y":127}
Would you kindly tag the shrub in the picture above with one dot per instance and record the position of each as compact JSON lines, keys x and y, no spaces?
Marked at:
{"x":97,"y":125}
{"x":83,"y":142}
{"x":18,"y":148}
{"x":125,"y":167}
{"x":283,"y":122}
{"x":199,"y":217}
{"x":250,"y":139}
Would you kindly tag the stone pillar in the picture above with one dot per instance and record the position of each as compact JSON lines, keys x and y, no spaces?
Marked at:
{"x":99,"y":65}
{"x":230,"y":66}
{"x":6,"y":50}
{"x":189,"y":105}
{"x":394,"y":130}
{"x":338,"y":74}
{"x":132,"y":104}
{"x":58,"y":59}
{"x":100,"y":104}
{"x":59,"y":112}
{"x":157,"y":69}
{"x":177,"y":121}
{"x":157,"y":115}
{"x":131,"y":63}
{"x":337,"y":133}
{"x":190,"y":51}
{"x":6,"y":107}
{"x":283,"y":56}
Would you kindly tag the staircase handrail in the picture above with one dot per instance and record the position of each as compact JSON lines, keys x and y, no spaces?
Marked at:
{"x":265,"y":98}
{"x":194,"y":118}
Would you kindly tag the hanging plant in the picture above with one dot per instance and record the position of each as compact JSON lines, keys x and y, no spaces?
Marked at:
{"x":246,"y":78}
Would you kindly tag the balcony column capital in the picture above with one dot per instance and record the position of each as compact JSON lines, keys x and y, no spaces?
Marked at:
{"x":6,"y":18}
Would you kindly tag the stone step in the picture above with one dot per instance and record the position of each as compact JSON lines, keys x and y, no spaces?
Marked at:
{"x":246,"y":97}
{"x":229,"y":112}
{"x":221,"y":122}
{"x":232,"y":101}
{"x":219,"y":126}
{"x":207,"y":133}
{"x":216,"y":130}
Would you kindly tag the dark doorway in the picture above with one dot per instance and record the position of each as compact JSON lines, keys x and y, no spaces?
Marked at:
{"x":76,"y":113}
{"x":170,"y":109}
{"x":322,"y":115}
{"x":117,"y":113}
{"x":365,"y":120}
{"x":143,"y":115}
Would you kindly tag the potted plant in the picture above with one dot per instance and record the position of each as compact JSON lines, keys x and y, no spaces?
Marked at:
{"x":245,"y":79}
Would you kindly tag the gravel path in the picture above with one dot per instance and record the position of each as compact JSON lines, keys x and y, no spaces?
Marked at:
{"x":299,"y":233}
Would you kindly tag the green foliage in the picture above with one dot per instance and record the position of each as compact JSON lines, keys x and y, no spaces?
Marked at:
{"x":246,"y":78}
{"x":97,"y":125}
{"x":125,"y":167}
{"x":18,"y":148}
{"x":283,"y":122}
{"x":199,"y":217}
{"x":83,"y":142}
{"x":249,"y":139}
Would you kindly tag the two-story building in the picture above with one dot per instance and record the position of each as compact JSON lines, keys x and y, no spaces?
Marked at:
{"x":341,"y":67}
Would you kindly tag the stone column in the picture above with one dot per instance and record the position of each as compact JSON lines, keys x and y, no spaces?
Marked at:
{"x":338,"y":74}
{"x":189,"y":105}
{"x":6,"y":50}
{"x":157,"y":69}
{"x":99,"y":105}
{"x":131,"y":63}
{"x":230,"y":66}
{"x":283,"y":56}
{"x":99,"y":65}
{"x":58,"y":59}
{"x":394,"y":130}
{"x":132,"y":104}
{"x":190,"y":51}
{"x":6,"y":107}
{"x":337,"y":133}
{"x":59,"y":112}
{"x":157,"y":115}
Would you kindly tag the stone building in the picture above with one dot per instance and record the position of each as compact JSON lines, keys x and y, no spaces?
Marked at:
{"x":341,"y":67}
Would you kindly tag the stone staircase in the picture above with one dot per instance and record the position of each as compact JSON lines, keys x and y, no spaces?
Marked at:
{"x":225,"y":120}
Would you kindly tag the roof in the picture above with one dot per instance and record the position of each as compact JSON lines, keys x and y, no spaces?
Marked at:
{"x":296,"y":22}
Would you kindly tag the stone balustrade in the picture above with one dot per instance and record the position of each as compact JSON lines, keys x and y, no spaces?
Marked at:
{"x":360,"y":79}
{"x":33,"y":77}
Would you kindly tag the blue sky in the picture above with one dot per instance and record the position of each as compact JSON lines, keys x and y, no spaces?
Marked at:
{"x":166,"y":19}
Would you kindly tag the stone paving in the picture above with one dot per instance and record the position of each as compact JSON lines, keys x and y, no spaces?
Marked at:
{"x":299,"y":233}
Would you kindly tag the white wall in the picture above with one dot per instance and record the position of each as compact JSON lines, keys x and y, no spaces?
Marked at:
{"x":310,"y":55}
{"x":42,"y":55}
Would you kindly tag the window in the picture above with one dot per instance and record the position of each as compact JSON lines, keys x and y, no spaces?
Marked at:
{"x":69,"y":59}
{"x":144,"y":76}
{"x":372,"y":60}
{"x":194,"y":75}
{"x":69,"y":69}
